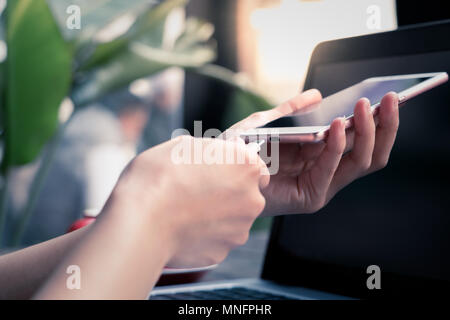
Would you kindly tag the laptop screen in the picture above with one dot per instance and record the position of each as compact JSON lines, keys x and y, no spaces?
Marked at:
{"x":398,"y":218}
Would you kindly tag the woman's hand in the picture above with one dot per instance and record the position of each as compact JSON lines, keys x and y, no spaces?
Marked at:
{"x":310,"y":175}
{"x":161,"y":213}
{"x":202,"y":210}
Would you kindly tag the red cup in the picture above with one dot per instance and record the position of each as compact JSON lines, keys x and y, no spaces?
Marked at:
{"x":88,"y":218}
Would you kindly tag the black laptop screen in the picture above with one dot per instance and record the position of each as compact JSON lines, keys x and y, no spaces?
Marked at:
{"x":397,"y":219}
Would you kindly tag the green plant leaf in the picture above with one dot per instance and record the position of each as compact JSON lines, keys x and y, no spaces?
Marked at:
{"x":2,"y":98}
{"x":138,"y":62}
{"x":38,"y":77}
{"x":94,"y":14}
{"x":148,"y":24}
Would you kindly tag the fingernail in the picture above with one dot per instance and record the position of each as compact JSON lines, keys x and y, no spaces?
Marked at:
{"x":366,"y":104}
{"x":312,"y":92}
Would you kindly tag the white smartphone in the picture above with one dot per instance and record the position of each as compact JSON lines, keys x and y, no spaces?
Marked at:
{"x":313,"y":124}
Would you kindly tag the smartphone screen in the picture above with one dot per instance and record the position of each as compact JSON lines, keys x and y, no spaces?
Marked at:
{"x":342,"y":103}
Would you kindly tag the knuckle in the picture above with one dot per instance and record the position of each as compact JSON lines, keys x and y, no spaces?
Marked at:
{"x":365,"y":164}
{"x":362,"y":164}
{"x":257,"y":116}
{"x":241,"y":239}
{"x":255,"y":205}
{"x":293,"y":106}
{"x":381,"y":163}
{"x":317,"y":205}
{"x":311,"y":209}
{"x":259,"y":205}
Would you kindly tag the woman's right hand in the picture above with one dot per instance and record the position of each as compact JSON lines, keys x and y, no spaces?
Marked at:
{"x":202,"y":210}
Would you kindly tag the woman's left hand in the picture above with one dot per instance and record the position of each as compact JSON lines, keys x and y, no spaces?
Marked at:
{"x":310,"y":175}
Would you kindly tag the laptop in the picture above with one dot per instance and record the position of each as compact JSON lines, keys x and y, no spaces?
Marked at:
{"x":396,"y":221}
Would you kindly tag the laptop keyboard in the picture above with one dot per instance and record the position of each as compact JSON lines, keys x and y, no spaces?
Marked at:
{"x":236,"y":293}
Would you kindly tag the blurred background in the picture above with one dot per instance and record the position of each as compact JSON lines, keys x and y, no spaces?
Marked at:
{"x":261,"y":50}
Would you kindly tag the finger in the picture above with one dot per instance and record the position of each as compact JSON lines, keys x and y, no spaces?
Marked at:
{"x":321,"y":174}
{"x":260,"y":166}
{"x":386,"y":134}
{"x":301,"y":102}
{"x":356,"y":163}
{"x":264,"y":179}
{"x":254,"y":149}
{"x":350,"y":139}
{"x":293,"y":105}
